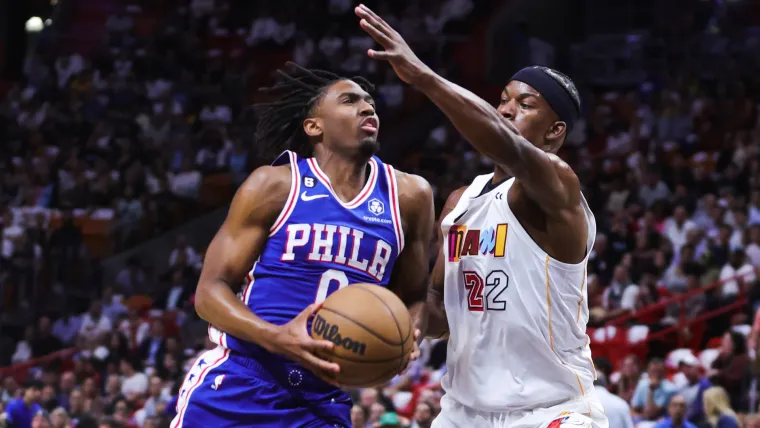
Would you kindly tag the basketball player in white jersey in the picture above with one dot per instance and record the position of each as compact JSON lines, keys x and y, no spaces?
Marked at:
{"x":511,"y":275}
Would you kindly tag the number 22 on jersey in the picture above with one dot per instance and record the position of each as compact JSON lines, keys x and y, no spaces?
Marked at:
{"x":485,"y":294}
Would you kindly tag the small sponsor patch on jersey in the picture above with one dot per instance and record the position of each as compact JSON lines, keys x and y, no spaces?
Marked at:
{"x":569,"y":419}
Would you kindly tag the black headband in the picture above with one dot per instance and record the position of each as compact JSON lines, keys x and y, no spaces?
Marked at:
{"x":558,"y":94}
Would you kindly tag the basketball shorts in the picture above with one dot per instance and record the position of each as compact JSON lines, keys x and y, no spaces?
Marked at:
{"x":226,"y":389}
{"x":582,"y":412}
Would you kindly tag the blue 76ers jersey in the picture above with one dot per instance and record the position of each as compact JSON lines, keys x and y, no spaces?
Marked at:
{"x":319,"y":244}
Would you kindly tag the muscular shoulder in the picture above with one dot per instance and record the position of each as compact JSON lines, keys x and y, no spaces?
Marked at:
{"x":262,"y":195}
{"x":569,"y":180}
{"x":415,"y":197}
{"x":453,"y":200}
{"x":411,"y":187}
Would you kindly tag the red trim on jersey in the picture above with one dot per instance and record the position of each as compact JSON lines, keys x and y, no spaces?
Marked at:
{"x":201,"y":376}
{"x":395,"y":210}
{"x":361,"y":197}
{"x":556,"y":423}
{"x":290,"y":204}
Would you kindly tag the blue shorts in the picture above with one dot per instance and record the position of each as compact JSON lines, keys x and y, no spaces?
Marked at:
{"x":226,"y":389}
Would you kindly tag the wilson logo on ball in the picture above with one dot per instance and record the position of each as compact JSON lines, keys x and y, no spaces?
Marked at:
{"x":330,"y":332}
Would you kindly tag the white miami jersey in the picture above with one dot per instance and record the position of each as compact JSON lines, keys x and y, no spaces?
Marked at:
{"x":517,"y":317}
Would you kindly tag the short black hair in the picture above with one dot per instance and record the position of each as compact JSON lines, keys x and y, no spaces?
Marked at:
{"x":280,"y":122}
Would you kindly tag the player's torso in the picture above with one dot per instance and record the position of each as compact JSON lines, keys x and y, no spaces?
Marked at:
{"x":320,"y":243}
{"x":517,"y":317}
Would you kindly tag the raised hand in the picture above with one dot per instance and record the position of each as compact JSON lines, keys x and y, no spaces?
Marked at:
{"x":397,"y":52}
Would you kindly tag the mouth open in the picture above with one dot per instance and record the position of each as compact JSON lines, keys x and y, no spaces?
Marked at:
{"x":369,"y":125}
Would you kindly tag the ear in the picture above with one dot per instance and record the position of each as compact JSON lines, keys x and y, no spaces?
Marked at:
{"x":555,"y":134}
{"x":312,"y":126}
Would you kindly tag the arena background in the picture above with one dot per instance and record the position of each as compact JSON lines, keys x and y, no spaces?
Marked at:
{"x":125,"y":127}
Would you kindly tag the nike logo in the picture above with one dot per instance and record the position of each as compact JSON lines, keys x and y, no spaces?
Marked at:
{"x":307,"y":198}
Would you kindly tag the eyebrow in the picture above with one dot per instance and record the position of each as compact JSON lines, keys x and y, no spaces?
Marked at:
{"x":523,"y":95}
{"x":366,"y":97}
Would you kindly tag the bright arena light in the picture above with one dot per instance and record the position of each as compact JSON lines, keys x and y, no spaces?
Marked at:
{"x":34,"y":24}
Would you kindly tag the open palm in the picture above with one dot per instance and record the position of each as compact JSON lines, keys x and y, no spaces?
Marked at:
{"x":397,"y":52}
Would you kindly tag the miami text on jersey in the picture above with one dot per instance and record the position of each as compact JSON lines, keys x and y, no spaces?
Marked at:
{"x":324,"y":238}
{"x":477,"y":242}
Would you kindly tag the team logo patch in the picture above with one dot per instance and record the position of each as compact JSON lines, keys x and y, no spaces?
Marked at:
{"x":376,"y":206}
{"x":309,"y":182}
{"x":217,"y":382}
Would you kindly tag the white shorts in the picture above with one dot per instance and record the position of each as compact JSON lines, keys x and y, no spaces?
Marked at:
{"x":581,"y":412}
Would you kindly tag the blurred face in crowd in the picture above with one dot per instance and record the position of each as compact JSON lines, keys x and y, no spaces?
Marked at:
{"x":357,"y":416}
{"x":122,"y":410}
{"x":68,"y":382}
{"x":677,"y":408}
{"x":10,"y":385}
{"x":621,"y":274}
{"x":32,"y":394}
{"x":656,"y":371}
{"x":525,"y":108}
{"x":368,"y":397}
{"x":630,"y":367}
{"x":679,"y":214}
{"x":345,"y":117}
{"x":113,"y":385}
{"x":88,"y":387}
{"x":155,"y":386}
{"x":691,"y":371}
{"x":48,"y":393}
{"x":157,"y":328}
{"x":375,"y":411}
{"x":59,"y":419}
{"x":126,"y":368}
{"x":754,"y":234}
{"x":727,"y":345}
{"x":96,"y":309}
{"x":423,"y":414}
{"x":39,"y":421}
{"x":76,"y":401}
{"x":44,"y":325}
{"x":752,"y":421}
{"x":737,"y":258}
{"x":170,"y":363}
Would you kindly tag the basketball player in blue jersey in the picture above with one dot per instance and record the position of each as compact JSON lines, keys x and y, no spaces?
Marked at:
{"x":326,"y":214}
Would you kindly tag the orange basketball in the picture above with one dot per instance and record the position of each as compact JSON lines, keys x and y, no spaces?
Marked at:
{"x":372,"y":332}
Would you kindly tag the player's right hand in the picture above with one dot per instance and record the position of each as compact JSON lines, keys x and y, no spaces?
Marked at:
{"x":293,"y":341}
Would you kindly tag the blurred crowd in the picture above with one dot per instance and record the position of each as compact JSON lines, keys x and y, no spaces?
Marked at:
{"x":126,"y":134}
{"x":671,"y":169}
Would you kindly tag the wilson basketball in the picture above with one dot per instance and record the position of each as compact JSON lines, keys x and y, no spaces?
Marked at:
{"x":372,"y":332}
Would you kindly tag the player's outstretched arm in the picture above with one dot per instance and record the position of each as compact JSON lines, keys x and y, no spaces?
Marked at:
{"x":410,"y":274}
{"x":547,"y":180}
{"x":237,"y":244}
{"x":438,"y":325}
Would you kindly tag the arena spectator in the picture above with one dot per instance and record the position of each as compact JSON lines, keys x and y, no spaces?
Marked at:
{"x":21,"y":411}
{"x":718,"y":409}
{"x":653,"y":392}
{"x":676,"y":414}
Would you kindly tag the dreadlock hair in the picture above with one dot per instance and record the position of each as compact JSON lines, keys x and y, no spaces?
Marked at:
{"x":297,"y":91}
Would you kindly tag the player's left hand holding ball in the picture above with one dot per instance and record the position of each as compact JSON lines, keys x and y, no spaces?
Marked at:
{"x":397,"y":52}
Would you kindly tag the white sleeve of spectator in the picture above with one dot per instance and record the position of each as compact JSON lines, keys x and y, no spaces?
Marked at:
{"x":630,"y":296}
